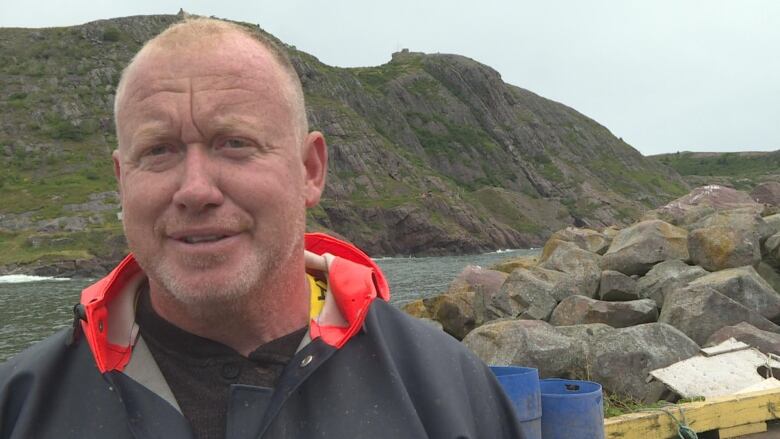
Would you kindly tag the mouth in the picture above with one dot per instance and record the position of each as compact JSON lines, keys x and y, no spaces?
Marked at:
{"x":203,"y":238}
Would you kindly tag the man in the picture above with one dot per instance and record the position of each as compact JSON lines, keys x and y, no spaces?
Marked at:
{"x":226,"y":320}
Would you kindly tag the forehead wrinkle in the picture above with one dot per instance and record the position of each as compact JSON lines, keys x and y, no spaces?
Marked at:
{"x":151,"y":87}
{"x":193,"y":119}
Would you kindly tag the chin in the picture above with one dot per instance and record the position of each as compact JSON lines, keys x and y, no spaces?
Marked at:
{"x":211,"y":284}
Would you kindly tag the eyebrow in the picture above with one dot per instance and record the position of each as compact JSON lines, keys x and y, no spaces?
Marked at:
{"x":149,"y":131}
{"x":231,"y":122}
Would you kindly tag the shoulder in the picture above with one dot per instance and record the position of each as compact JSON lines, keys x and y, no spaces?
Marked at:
{"x":41,"y":355}
{"x":442,"y":377}
{"x":421,"y":348}
{"x":52,"y":389}
{"x":409,"y":333}
{"x":43,"y":362}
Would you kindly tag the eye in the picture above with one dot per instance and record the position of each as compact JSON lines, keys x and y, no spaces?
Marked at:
{"x":159,"y":156}
{"x":235,"y":143}
{"x":159,"y":150}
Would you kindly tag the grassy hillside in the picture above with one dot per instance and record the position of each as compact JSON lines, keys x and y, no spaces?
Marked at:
{"x":430,"y":153}
{"x":741,"y":170}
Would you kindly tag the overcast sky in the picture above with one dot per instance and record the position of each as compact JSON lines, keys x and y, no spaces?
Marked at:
{"x":665,"y":75}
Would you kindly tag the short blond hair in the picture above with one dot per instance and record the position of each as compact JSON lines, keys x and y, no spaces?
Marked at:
{"x":191,"y":30}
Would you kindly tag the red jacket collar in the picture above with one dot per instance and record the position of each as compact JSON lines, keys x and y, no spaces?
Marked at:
{"x":354,"y":280}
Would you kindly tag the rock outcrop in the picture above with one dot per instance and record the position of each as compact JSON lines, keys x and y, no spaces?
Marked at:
{"x":703,"y":201}
{"x":531,"y":343}
{"x":577,"y":310}
{"x":745,"y":286}
{"x":581,"y":265}
{"x":530,"y":294}
{"x":765,"y":341}
{"x":616,"y":286}
{"x":621,"y":360}
{"x":585,"y":239}
{"x":545,"y":315}
{"x":767,"y":193}
{"x":701,"y":311}
{"x":665,"y":277}
{"x":637,"y":248}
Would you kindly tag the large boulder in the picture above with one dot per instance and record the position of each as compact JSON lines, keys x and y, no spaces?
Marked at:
{"x":718,"y":248}
{"x":610,"y":232}
{"x":477,"y":279}
{"x":700,"y":311}
{"x":745,"y":218}
{"x":575,"y":310}
{"x":728,"y":239}
{"x":770,"y":274}
{"x":509,"y":265}
{"x":701,"y":202}
{"x":667,"y":276}
{"x":568,"y":258}
{"x":616,"y":286}
{"x":455,"y":312}
{"x":767,"y":193}
{"x":585,"y":332}
{"x":637,"y":248}
{"x":771,"y":250}
{"x":765,"y":341}
{"x":586,"y":239}
{"x":622,"y":359}
{"x":529,"y":343}
{"x":745,"y":286}
{"x":528,"y":294}
{"x":416,"y":308}
{"x":485,"y":283}
{"x":773,"y":222}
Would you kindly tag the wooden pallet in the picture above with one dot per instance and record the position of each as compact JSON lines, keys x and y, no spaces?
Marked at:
{"x":732,"y":416}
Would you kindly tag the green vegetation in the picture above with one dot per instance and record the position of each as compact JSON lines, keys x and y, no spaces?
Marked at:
{"x":631,"y":182}
{"x":58,"y":128}
{"x":111,"y":34}
{"x":425,"y":87}
{"x":551,"y":172}
{"x":26,"y":247}
{"x":501,"y":207}
{"x":377,"y":77}
{"x":742,"y":170}
{"x":453,"y":138}
{"x":616,"y":405}
{"x":46,"y":193}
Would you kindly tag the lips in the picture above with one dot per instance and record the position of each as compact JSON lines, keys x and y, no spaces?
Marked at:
{"x":197,"y":239}
{"x":201,"y":236}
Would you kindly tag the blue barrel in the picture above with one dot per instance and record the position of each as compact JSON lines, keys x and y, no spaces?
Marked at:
{"x":572,"y":409}
{"x":521,"y":384}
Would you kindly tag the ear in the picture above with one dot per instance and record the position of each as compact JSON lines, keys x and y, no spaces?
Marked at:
{"x":117,"y":166}
{"x":315,"y":163}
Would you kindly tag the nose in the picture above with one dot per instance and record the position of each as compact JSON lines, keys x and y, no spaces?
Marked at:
{"x":199,"y":187}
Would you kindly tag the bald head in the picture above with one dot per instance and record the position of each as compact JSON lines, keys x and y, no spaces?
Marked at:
{"x":200,"y":35}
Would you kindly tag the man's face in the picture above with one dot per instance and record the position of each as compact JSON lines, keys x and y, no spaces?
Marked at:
{"x":214,"y":174}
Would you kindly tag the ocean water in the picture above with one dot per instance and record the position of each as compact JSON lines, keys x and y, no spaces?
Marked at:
{"x":33,"y":307}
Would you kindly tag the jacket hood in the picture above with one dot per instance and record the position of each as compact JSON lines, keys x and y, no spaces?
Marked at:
{"x":107,"y":307}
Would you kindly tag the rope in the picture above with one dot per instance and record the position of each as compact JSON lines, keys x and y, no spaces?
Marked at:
{"x":684,"y":431}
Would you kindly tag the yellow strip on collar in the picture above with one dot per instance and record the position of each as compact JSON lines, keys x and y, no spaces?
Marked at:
{"x":317,"y":290}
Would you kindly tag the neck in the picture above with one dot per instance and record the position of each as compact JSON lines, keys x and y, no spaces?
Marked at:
{"x":277,"y":308}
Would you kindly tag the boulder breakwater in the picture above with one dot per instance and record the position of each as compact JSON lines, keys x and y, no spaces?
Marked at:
{"x":612,"y":305}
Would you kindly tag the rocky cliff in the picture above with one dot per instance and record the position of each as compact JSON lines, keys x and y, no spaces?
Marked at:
{"x":430,"y":153}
